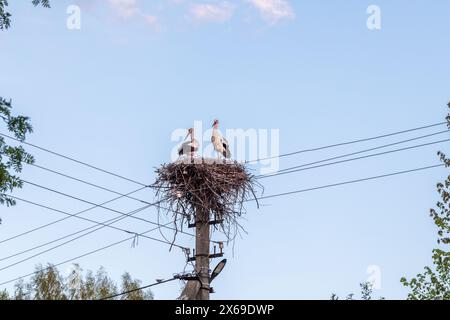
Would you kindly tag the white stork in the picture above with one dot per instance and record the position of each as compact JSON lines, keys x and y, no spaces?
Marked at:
{"x":220,"y":143}
{"x":189,"y":147}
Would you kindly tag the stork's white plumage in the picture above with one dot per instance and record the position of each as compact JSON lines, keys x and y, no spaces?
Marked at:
{"x":219,"y":142}
{"x":189,"y":147}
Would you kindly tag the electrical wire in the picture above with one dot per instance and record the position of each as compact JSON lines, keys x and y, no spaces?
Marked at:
{"x":348,"y":182}
{"x":363,"y":151}
{"x":80,"y":256}
{"x":287,"y":172}
{"x":102,"y":225}
{"x":260,"y":198}
{"x":346,"y":143}
{"x":137,"y":289}
{"x":109,"y":222}
{"x":89,"y":183}
{"x":280,"y":172}
{"x":283,"y":155}
{"x":124,"y":215}
{"x":68,"y":217}
{"x":351,"y":159}
{"x":100,"y":206}
{"x":73,"y":160}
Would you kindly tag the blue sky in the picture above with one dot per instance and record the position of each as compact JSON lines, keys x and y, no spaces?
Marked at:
{"x":112,"y":93}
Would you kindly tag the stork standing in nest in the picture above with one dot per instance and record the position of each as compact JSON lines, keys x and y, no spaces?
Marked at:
{"x":189,"y":147}
{"x":219,"y":142}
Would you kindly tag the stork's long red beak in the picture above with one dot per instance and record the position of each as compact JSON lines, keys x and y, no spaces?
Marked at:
{"x":187,"y":136}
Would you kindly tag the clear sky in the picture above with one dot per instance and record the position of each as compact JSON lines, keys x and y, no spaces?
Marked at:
{"x":112,"y":93}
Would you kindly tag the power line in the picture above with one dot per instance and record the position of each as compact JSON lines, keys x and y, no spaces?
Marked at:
{"x":124,"y":215}
{"x":73,"y":215}
{"x":349,"y":182}
{"x":73,"y":160}
{"x":109,"y":222}
{"x":138,"y":289}
{"x":349,"y":160}
{"x":90,"y":232}
{"x":89,"y":209}
{"x":104,"y":224}
{"x":346,"y":143}
{"x":81,"y":256}
{"x":88,"y":183}
{"x":363,"y":151}
{"x":100,"y":206}
{"x":260,"y":198}
{"x":68,"y":217}
{"x":352,"y":159}
{"x":55,"y":247}
{"x":353,"y":181}
{"x":258,"y":159}
{"x":287,"y":172}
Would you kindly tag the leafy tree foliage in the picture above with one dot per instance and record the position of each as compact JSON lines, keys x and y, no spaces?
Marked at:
{"x":434,"y":282}
{"x":12,"y":157}
{"x":366,"y":293}
{"x":49,"y":284}
{"x":5,"y":16}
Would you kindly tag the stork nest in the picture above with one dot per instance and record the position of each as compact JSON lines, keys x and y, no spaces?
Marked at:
{"x":206,"y":190}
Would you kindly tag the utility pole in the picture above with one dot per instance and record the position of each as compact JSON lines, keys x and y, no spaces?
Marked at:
{"x":199,"y":288}
{"x":202,"y":253}
{"x":212,"y":195}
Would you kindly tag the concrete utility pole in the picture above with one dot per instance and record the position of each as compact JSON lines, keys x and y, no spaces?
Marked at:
{"x":199,"y":288}
{"x":202,"y":254}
